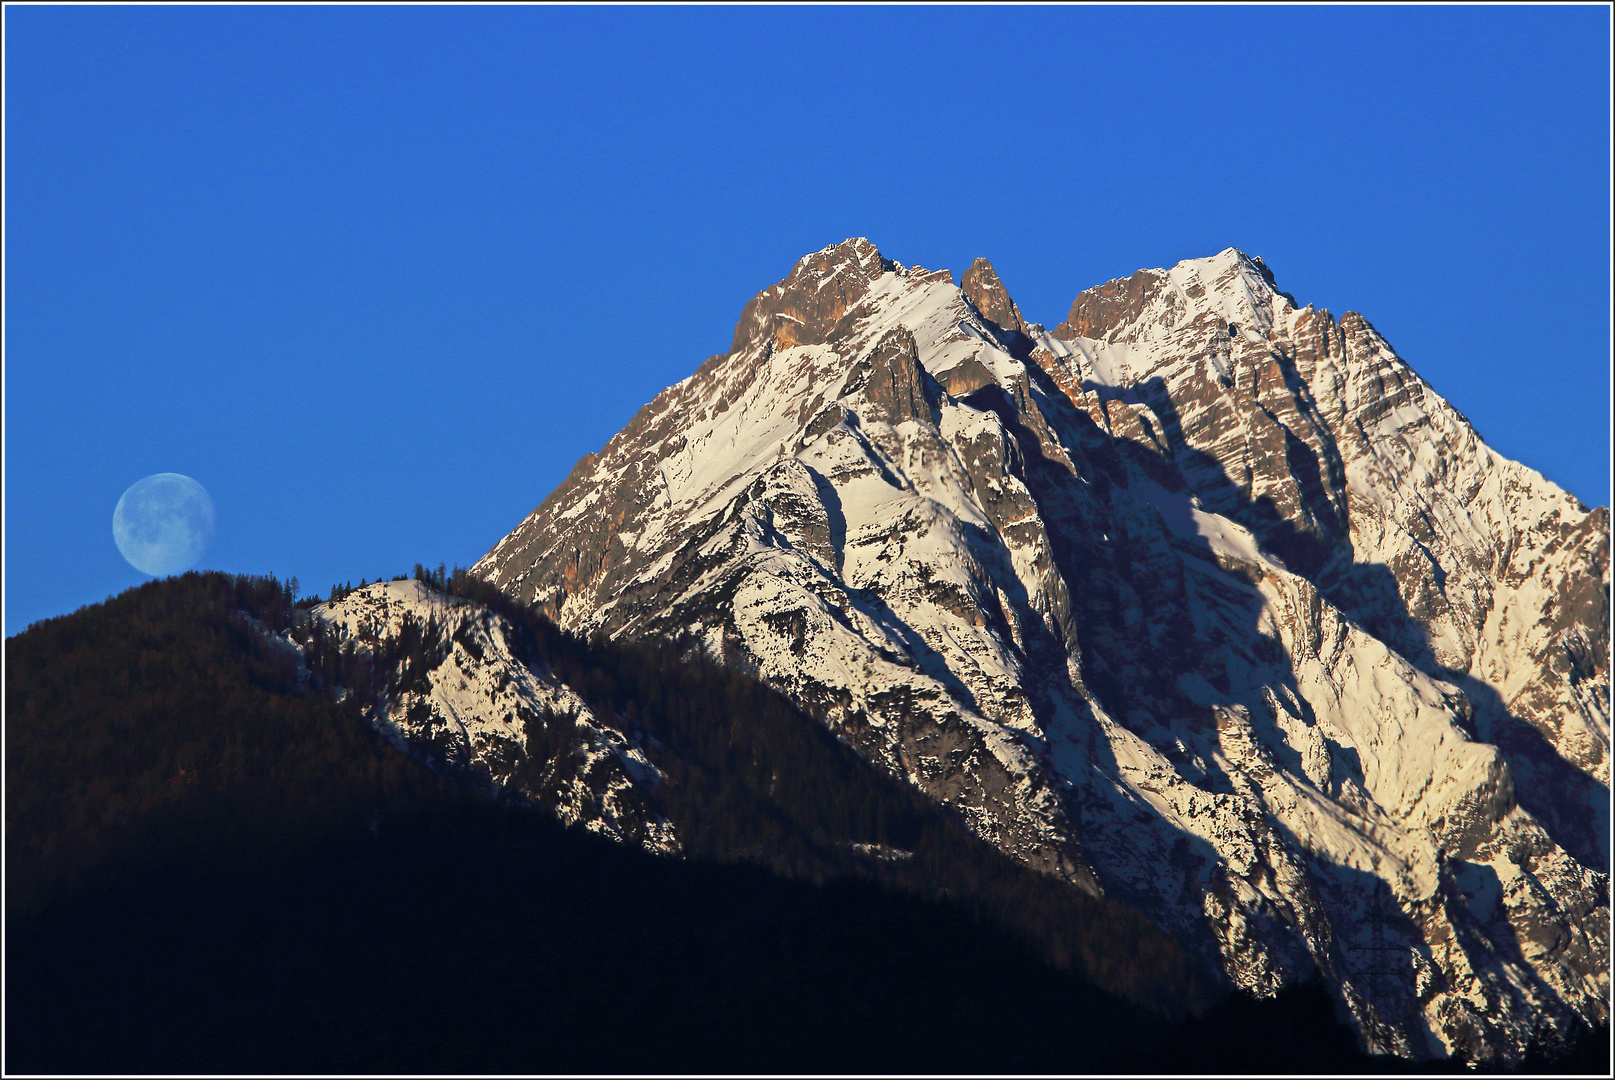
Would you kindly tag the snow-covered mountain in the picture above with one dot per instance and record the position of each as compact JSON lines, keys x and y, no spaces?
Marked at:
{"x":1203,"y":600}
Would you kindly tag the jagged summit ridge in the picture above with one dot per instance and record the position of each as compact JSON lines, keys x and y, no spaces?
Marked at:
{"x":1202,"y":599}
{"x":1230,"y":285}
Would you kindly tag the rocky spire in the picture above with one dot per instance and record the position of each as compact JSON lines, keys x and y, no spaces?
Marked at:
{"x":982,"y":286}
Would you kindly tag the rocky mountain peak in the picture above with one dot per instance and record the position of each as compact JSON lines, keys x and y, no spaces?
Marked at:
{"x":1228,"y":289}
{"x":987,"y":292}
{"x":804,"y":308}
{"x":1096,"y":312}
{"x":1203,"y":600}
{"x":855,"y":251}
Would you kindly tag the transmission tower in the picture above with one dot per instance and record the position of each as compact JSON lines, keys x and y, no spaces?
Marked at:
{"x":1384,"y":978}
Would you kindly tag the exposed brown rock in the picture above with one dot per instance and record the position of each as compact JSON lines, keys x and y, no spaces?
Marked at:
{"x":982,"y":286}
{"x":1098,"y":312}
{"x":804,"y":308}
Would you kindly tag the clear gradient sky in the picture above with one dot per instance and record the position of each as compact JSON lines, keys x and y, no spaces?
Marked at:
{"x":379,"y":276}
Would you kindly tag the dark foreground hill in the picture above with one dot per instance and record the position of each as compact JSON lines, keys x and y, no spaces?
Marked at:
{"x":215,"y":866}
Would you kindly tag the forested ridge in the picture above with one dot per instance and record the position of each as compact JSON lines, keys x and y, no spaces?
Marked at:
{"x":163,"y":721}
{"x":215,"y":863}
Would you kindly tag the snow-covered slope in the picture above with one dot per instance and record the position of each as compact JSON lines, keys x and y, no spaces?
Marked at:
{"x":459,"y":691}
{"x":1203,"y":600}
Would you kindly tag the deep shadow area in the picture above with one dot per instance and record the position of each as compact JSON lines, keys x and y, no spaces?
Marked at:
{"x":1302,"y":1032}
{"x":483,"y":940}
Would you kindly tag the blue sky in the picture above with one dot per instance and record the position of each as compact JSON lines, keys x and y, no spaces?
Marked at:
{"x":377,"y":277}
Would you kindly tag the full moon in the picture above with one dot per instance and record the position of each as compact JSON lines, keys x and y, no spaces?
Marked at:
{"x":163,"y":524}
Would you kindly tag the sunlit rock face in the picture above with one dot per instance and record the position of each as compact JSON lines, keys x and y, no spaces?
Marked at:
{"x":469,"y":697}
{"x":1203,"y":600}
